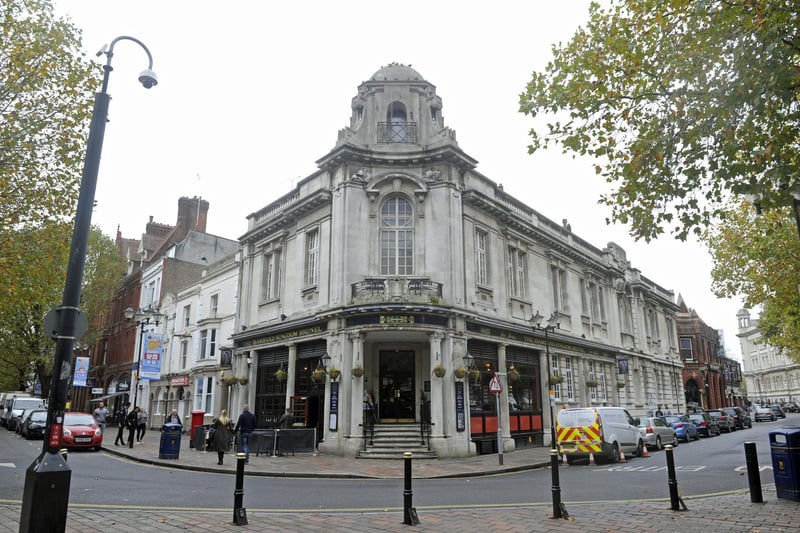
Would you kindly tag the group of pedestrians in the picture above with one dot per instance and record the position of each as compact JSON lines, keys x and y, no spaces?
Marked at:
{"x":135,"y":421}
{"x":224,"y":431}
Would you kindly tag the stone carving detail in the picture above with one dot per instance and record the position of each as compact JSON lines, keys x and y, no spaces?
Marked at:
{"x":433,"y":175}
{"x":361,"y":175}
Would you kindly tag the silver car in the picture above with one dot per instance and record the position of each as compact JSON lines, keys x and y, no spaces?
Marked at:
{"x":656,"y":432}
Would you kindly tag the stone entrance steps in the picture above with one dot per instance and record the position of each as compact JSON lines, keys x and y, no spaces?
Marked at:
{"x":390,"y":441}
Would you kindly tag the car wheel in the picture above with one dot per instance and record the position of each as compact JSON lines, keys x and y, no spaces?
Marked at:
{"x":659,"y":445}
{"x":674,"y":441}
{"x":614,"y":453}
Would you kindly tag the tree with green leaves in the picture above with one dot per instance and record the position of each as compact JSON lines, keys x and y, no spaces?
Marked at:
{"x":682,"y":103}
{"x":46,"y":94}
{"x":757,"y":256}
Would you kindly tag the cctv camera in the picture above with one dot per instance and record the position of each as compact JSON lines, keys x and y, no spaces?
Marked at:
{"x":148,"y":79}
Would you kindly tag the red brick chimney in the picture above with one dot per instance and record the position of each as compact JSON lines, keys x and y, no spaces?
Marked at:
{"x":192,"y":215}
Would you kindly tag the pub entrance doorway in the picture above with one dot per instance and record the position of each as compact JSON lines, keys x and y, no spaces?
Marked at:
{"x":397,"y":389}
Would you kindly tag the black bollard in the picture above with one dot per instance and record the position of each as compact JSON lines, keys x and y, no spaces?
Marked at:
{"x":674,"y":499}
{"x":239,"y":512}
{"x":556,"y":489}
{"x":753,"y":474}
{"x":409,"y":513}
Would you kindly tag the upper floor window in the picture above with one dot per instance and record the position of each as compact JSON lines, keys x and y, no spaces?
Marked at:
{"x":184,"y":353}
{"x":687,"y":354}
{"x":598,"y":304}
{"x":271,"y":276}
{"x":203,"y":394}
{"x":187,"y":315}
{"x":559,"y":280}
{"x":397,"y":237}
{"x":312,"y":258}
{"x":481,"y":260}
{"x":208,"y":343}
{"x":516,"y":272}
{"x":213,"y":305}
{"x":397,"y":119}
{"x":625,"y":313}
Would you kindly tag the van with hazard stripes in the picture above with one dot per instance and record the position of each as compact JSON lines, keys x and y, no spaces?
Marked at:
{"x":604,"y":432}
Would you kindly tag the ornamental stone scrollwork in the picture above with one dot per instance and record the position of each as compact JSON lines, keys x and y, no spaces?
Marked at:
{"x":433,"y":175}
{"x":362,"y":175}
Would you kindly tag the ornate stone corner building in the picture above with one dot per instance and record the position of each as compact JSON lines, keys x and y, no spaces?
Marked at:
{"x":398,"y":258}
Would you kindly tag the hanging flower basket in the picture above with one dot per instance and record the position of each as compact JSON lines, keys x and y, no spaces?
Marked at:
{"x":620,"y":384}
{"x":474,"y":374}
{"x":513,"y":374}
{"x":334,"y":373}
{"x":318,"y":375}
{"x":439,"y":371}
{"x":230,"y":380}
{"x":555,"y":380}
{"x":592,"y":383}
{"x":358,"y":371}
{"x":460,"y":372}
{"x":244,"y":380}
{"x":280,"y":375}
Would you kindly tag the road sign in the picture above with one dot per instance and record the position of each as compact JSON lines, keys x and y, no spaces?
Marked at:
{"x":494,"y":385}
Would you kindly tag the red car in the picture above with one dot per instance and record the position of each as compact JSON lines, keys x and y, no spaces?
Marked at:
{"x":81,"y":431}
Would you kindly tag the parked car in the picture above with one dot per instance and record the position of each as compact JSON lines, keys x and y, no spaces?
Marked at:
{"x":34,"y":423}
{"x":740,"y":417}
{"x":656,"y":432}
{"x":21,"y":418}
{"x":725,"y":422}
{"x":17,"y":406}
{"x":706,"y":426}
{"x":81,"y":431}
{"x":684,"y":428}
{"x":778,"y":411}
{"x":764,"y":414}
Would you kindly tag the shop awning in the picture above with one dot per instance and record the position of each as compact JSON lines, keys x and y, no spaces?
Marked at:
{"x":107,"y":396}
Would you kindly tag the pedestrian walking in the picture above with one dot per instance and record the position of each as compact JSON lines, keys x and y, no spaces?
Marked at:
{"x":141,"y":424}
{"x":132,"y":421}
{"x":245,"y":426}
{"x":223,"y":429}
{"x":100,"y":413}
{"x":121,"y":418}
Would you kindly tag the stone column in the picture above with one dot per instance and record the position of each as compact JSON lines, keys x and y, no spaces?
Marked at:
{"x":437,"y":385}
{"x":357,"y":393}
{"x":290,"y":374}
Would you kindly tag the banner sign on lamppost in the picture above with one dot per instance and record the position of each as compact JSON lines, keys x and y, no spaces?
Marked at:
{"x":152,"y":356}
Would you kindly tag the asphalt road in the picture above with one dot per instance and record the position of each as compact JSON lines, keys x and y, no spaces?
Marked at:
{"x":703,"y":467}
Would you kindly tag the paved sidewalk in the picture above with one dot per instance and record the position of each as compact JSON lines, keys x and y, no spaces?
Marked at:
{"x":729,"y":512}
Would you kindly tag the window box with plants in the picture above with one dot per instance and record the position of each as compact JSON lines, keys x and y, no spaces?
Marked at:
{"x":592,"y":383}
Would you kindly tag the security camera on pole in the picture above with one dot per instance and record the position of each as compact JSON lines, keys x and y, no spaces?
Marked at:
{"x":45,"y":497}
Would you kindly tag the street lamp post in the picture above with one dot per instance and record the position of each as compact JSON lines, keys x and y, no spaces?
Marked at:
{"x":552,"y":324}
{"x":48,"y":477}
{"x":675,"y":383}
{"x":469,"y":360}
{"x":142,"y":318}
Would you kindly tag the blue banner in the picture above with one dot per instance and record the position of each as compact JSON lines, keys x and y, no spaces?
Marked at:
{"x":152,"y":356}
{"x":81,"y":372}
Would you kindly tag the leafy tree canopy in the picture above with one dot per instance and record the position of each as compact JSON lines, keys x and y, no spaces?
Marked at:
{"x":682,"y":102}
{"x":757,"y":257}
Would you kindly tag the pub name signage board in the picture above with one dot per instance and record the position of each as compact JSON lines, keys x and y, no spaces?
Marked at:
{"x":396,"y":319}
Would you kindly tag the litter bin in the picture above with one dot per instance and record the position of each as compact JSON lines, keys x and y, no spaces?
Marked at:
{"x":785,"y":447}
{"x":170,"y":447}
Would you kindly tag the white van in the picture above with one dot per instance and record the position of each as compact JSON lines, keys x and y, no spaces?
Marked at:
{"x":6,"y":399}
{"x":601,"y":431}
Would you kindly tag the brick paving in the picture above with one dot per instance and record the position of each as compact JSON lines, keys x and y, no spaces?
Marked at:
{"x":730,"y":512}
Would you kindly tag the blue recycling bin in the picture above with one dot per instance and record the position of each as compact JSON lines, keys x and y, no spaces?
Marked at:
{"x":170,"y":446}
{"x":784,"y":445}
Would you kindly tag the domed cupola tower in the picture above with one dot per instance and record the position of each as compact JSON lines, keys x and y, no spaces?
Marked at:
{"x":395,"y":112}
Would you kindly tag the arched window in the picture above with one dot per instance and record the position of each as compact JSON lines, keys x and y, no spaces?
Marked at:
{"x":397,"y":237}
{"x":398,"y":122}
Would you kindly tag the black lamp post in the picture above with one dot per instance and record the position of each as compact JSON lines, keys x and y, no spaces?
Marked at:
{"x":552,"y":324}
{"x":469,"y":361}
{"x":325,"y":360}
{"x":48,"y":477}
{"x":142,"y":317}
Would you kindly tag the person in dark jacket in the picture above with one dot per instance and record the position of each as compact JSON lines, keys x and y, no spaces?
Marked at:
{"x":121,"y":418}
{"x":223,"y":428}
{"x":132,"y":421}
{"x":245,"y":426}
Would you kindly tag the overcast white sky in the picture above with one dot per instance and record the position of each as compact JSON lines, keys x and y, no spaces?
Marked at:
{"x":251,"y":93}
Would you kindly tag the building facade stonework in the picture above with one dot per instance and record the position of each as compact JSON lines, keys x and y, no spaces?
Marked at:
{"x":398,"y":258}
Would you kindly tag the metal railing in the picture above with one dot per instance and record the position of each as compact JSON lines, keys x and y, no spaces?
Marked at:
{"x":397,"y":132}
{"x":425,"y":424}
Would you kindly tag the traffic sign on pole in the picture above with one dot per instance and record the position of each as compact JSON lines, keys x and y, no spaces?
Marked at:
{"x":494,"y":385}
